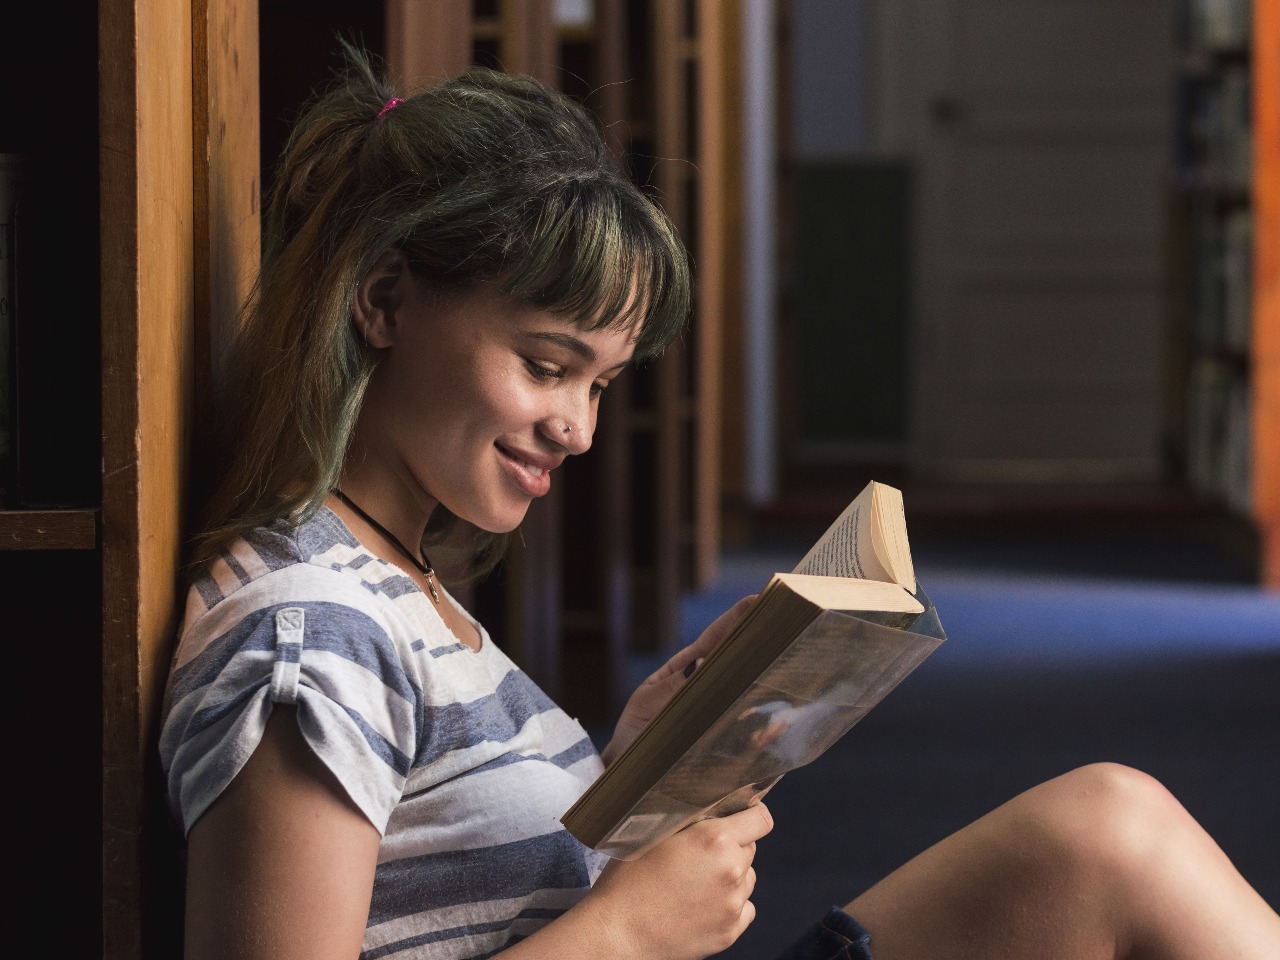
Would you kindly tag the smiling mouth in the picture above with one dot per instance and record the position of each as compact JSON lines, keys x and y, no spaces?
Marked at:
{"x":517,"y":459}
{"x":532,"y":478}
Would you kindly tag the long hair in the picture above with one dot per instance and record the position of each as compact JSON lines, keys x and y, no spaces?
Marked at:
{"x":486,"y":178}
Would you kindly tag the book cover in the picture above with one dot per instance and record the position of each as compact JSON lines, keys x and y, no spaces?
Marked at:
{"x":817,"y":650}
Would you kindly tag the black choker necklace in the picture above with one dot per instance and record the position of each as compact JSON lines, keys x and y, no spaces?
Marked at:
{"x":423,"y":565}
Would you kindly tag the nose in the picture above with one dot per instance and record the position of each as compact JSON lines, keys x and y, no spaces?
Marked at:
{"x":571,"y":427}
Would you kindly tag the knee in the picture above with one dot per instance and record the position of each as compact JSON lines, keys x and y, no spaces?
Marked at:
{"x":1105,"y":820}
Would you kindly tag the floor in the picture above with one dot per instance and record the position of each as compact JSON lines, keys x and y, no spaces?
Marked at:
{"x":1146,"y":645}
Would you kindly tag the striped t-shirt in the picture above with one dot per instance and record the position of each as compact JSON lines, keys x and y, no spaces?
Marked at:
{"x":456,"y":756}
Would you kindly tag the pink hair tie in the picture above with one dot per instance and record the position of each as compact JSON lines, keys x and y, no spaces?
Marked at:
{"x":389,"y":106}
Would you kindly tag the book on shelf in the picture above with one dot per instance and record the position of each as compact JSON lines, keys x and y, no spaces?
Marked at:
{"x":1237,"y":279}
{"x":1213,"y":25}
{"x":814,"y":653}
{"x":1219,"y":461}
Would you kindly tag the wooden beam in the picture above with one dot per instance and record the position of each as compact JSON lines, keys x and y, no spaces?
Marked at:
{"x":1265,"y":341}
{"x":227,"y":214}
{"x":427,"y":41}
{"x":528,"y":41}
{"x":670,"y":112}
{"x":48,"y":529}
{"x":533,"y":633}
{"x":147,"y":319}
{"x":717,"y":274}
{"x":732,"y":472}
{"x":612,"y":86}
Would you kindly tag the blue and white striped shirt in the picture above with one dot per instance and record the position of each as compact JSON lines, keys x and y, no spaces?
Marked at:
{"x":456,"y":756}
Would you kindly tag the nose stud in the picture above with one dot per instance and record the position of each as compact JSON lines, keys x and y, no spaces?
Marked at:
{"x":568,"y":429}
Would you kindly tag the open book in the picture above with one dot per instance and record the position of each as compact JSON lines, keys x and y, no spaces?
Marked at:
{"x":818,"y":648}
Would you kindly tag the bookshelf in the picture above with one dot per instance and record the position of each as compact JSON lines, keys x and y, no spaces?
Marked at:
{"x":51,"y":559}
{"x":137,"y":230}
{"x":158,"y":184}
{"x":1265,"y":346}
{"x":1227,"y":165}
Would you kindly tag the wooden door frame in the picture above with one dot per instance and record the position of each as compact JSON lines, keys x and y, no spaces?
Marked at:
{"x":179,"y":231}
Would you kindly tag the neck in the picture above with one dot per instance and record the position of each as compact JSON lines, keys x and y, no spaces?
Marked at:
{"x":418,"y":558}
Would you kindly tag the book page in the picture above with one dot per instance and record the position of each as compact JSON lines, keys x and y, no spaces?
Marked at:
{"x":853,"y":595}
{"x":891,"y":535}
{"x":847,"y":549}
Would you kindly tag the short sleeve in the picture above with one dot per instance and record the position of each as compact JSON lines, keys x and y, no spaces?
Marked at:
{"x":330,"y":651}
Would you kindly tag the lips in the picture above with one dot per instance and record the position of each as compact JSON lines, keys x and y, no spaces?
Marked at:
{"x":530,"y":472}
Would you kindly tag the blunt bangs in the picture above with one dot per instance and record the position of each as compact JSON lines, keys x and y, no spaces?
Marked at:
{"x":598,"y":252}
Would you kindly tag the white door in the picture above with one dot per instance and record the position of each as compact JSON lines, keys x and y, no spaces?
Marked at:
{"x":1041,"y":133}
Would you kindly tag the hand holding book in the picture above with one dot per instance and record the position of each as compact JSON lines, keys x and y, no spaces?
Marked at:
{"x":659,"y":687}
{"x":789,"y":676}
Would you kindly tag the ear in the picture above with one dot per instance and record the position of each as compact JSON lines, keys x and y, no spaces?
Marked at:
{"x":379,"y":298}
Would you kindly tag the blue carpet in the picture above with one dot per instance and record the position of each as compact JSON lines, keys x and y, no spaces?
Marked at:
{"x":1044,"y":669}
{"x":1010,"y":620}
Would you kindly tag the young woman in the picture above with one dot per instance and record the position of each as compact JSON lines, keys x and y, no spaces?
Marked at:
{"x":449,"y":282}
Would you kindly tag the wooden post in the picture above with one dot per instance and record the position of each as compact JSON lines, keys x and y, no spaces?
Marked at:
{"x":226,"y":153}
{"x":147,"y":322}
{"x":178,"y":167}
{"x":528,"y":41}
{"x":427,"y":40}
{"x":1265,"y":341}
{"x":717,"y":73}
{"x":728,"y":212}
{"x":672,"y":174}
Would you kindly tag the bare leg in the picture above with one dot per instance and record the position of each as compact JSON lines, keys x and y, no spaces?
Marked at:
{"x":1100,"y":862}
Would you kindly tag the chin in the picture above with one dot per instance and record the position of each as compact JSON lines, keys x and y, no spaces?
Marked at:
{"x":498,"y":521}
{"x":500,"y":528}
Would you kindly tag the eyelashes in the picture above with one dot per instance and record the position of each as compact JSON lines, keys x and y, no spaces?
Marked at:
{"x":546,"y":373}
{"x":543,"y":372}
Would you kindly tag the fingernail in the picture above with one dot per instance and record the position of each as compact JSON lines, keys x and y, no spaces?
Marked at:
{"x":693,"y":665}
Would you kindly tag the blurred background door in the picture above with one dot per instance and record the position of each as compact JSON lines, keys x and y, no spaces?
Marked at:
{"x":1041,"y":137}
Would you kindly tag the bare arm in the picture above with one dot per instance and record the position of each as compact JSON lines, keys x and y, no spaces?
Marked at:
{"x":281,"y":867}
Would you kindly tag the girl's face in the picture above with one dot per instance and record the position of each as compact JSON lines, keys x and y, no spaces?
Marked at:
{"x":476,"y":400}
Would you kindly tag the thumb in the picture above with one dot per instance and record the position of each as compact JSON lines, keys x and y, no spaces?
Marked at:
{"x":750,"y":824}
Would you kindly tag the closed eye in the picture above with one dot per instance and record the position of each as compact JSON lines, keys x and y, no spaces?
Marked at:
{"x":543,"y":371}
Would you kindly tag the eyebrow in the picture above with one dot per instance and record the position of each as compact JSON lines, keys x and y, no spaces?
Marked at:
{"x":572,"y":344}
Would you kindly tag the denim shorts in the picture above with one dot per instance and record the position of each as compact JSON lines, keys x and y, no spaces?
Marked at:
{"x":837,"y":936}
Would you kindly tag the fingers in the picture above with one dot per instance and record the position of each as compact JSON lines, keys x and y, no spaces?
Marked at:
{"x":724,"y":623}
{"x":749,"y":825}
{"x":682,"y":664}
{"x":718,"y":629}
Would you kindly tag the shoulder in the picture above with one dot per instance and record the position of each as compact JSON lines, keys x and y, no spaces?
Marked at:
{"x":315,"y":550}
{"x":317,"y":559}
{"x":316,"y":567}
{"x":288,"y":615}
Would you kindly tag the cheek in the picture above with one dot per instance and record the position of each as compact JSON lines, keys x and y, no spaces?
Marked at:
{"x":510,"y":398}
